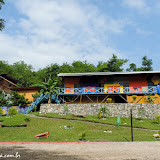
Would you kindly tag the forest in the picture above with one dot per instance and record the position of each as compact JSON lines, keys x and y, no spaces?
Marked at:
{"x":27,"y":76}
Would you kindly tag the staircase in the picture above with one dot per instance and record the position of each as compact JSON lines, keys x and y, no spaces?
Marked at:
{"x":38,"y":100}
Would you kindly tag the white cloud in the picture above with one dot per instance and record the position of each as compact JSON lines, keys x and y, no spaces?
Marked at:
{"x":57,"y":31}
{"x":143,"y":32}
{"x":140,"y":5}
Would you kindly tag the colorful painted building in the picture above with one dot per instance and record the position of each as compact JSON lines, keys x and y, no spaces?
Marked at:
{"x":116,"y":87}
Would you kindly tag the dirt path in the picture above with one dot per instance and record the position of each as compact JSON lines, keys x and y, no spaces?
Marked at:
{"x":82,"y":151}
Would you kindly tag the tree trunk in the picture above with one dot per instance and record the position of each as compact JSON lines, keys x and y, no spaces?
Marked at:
{"x":49,"y":100}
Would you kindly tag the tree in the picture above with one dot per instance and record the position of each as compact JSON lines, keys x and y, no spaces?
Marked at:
{"x":112,"y":65}
{"x":23,"y":73}
{"x":1,"y":20}
{"x":49,"y":88}
{"x":5,"y":68}
{"x":146,"y":64}
{"x":133,"y":67}
{"x":102,"y":66}
{"x":81,"y":67}
{"x":18,"y":100}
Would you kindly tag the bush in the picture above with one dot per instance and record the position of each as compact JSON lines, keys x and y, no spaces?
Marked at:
{"x":12,"y":111}
{"x":65,"y":109}
{"x":141,"y":112}
{"x":157,"y":117}
{"x":19,"y":100}
{"x":27,"y":120}
{"x":1,"y":112}
{"x":103,"y":112}
{"x":82,"y":136}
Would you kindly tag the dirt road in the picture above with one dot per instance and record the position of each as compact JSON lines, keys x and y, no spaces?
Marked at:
{"x":81,"y":151}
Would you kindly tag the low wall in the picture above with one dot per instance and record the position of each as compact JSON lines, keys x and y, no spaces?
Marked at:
{"x":116,"y":109}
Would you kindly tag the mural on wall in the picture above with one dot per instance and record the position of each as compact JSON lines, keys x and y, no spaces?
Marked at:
{"x":20,"y":110}
{"x":156,"y":80}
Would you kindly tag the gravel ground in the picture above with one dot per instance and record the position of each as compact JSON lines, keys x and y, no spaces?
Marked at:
{"x":82,"y":151}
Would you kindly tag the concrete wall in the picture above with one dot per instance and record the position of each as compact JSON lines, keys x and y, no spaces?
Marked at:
{"x":116,"y":109}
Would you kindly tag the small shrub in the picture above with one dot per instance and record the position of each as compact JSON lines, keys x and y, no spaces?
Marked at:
{"x":103,"y":112}
{"x":27,"y":120}
{"x":82,"y":136}
{"x":12,"y":111}
{"x":1,"y":112}
{"x":65,"y":109}
{"x":157,"y":117}
{"x":141,"y":113}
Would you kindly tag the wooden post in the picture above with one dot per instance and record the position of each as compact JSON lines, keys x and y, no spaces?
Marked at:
{"x":131,"y":126}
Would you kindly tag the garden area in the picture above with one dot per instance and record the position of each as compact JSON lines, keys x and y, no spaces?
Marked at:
{"x":66,"y":128}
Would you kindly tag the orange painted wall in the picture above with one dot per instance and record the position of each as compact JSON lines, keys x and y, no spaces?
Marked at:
{"x":130,"y":99}
{"x":28,"y":94}
{"x":69,"y":83}
{"x":138,"y":81}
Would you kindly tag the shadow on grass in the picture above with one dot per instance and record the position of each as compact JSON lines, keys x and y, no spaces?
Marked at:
{"x":126,"y":139}
{"x":154,"y":122}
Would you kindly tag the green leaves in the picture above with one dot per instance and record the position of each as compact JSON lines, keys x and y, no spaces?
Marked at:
{"x":49,"y":88}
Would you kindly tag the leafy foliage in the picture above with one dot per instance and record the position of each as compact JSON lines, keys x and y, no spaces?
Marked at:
{"x":35,"y":96}
{"x":150,"y":98}
{"x":82,"y":136}
{"x":12,"y":111}
{"x":146,"y":65}
{"x":19,"y":100}
{"x":5,"y":99}
{"x":1,"y":20}
{"x":27,"y":119}
{"x":104,"y":111}
{"x":65,"y":109}
{"x":27,"y":76}
{"x":49,"y":88}
{"x":1,"y":112}
{"x":157,"y":117}
{"x":113,"y":65}
{"x":141,"y":113}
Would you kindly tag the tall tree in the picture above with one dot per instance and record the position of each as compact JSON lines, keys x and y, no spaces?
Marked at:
{"x":102,"y":66}
{"x":112,"y":65}
{"x":146,"y":64}
{"x":23,"y":73}
{"x":79,"y":66}
{"x":1,"y":20}
{"x":49,"y":87}
{"x":5,"y":68}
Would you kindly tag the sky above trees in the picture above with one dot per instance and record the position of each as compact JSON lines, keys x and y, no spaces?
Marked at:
{"x":42,"y":32}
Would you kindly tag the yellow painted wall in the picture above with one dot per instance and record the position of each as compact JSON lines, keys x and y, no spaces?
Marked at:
{"x":108,"y":87}
{"x":28,"y":94}
{"x":130,"y":99}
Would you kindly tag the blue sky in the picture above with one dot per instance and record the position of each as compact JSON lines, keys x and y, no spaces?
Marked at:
{"x":42,"y":32}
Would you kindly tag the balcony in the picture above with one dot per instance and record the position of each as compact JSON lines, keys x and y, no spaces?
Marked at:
{"x":109,"y":90}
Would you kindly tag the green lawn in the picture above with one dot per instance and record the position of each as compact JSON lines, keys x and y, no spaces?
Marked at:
{"x":95,"y":132}
{"x":144,"y":123}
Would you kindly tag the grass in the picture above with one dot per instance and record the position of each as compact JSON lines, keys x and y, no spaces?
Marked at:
{"x":94,"y":132}
{"x":137,"y":123}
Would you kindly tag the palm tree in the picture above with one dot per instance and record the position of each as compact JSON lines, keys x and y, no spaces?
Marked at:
{"x":49,"y":88}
